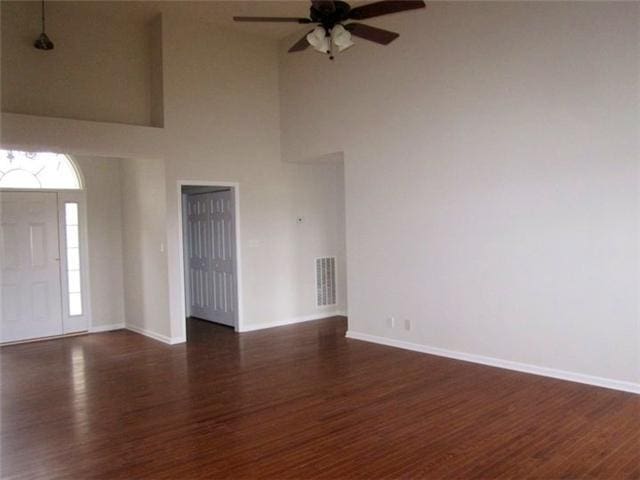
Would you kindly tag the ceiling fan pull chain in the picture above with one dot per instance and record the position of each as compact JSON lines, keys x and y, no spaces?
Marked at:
{"x":331,"y":57}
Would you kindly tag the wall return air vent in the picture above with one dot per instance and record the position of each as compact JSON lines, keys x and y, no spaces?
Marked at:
{"x":325,"y":281}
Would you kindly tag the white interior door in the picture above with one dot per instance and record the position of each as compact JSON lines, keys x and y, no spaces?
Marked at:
{"x":211,"y":256}
{"x":30,"y":266}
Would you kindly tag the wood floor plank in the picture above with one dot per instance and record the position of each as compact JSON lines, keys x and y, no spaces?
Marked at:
{"x":300,"y":401}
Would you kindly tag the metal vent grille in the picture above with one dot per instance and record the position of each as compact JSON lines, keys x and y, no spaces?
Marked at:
{"x":325,"y":281}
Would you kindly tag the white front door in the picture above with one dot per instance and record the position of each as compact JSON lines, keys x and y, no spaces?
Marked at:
{"x":211,"y":256}
{"x":29,"y":266}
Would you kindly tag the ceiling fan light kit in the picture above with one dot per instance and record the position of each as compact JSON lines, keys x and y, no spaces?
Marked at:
{"x":341,"y":38}
{"x":319,"y":40}
{"x":331,"y":31}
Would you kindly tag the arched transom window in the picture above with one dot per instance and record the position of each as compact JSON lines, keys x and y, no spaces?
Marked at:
{"x":30,"y":170}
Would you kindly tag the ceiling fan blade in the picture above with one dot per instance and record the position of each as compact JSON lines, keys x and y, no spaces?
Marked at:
{"x":373,"y":34}
{"x":384,"y":8}
{"x":301,"y":44}
{"x":272,"y":19}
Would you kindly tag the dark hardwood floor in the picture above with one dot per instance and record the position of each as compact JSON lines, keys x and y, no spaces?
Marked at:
{"x":297,"y":402}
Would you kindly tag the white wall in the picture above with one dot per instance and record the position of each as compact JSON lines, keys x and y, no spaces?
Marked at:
{"x":144,"y":239}
{"x":319,"y":201}
{"x":100,"y":69}
{"x":491,"y":168}
{"x":492,"y":178}
{"x":104,"y":224}
{"x":221,"y":123}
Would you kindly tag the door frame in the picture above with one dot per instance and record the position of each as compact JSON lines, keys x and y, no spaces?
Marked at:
{"x":235,"y":189}
{"x":77,"y":323}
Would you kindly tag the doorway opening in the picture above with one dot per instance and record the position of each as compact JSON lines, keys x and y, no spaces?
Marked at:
{"x":210,"y":255}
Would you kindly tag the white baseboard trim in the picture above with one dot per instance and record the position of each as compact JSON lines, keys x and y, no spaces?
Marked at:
{"x":156,"y":336}
{"x":106,"y":328}
{"x":291,"y":321}
{"x":506,"y":364}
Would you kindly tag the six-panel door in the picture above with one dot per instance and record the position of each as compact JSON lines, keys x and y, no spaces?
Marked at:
{"x":211,"y":256}
{"x":29,"y":265}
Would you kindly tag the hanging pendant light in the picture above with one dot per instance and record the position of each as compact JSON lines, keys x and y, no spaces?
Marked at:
{"x":43,"y":42}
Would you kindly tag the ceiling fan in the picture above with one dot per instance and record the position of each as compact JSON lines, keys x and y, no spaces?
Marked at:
{"x":331,"y":31}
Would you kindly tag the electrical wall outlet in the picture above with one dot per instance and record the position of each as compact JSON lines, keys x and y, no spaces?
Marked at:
{"x":407,"y":324}
{"x":391,"y":322}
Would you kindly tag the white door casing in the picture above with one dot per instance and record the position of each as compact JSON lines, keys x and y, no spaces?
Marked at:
{"x":210,"y":249}
{"x":29,"y":266}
